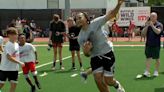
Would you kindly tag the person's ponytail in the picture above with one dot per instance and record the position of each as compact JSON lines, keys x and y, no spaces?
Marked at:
{"x":86,"y":16}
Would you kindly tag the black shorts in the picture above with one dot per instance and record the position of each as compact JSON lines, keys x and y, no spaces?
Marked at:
{"x":152,"y":52}
{"x":12,"y":76}
{"x":104,"y":63}
{"x":74,"y":48}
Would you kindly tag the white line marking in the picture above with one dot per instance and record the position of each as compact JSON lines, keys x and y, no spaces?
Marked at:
{"x":131,"y":45}
{"x":74,"y":75}
{"x":42,"y":65}
{"x":44,"y":74}
{"x":43,"y":45}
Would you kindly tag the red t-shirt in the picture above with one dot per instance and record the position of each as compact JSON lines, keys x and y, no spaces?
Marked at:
{"x":115,"y":27}
{"x":131,"y":27}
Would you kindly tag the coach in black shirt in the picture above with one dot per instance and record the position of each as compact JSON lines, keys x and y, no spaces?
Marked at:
{"x":152,"y":31}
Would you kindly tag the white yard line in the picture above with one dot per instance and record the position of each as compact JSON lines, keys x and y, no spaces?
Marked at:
{"x":44,"y":45}
{"x":133,"y":45}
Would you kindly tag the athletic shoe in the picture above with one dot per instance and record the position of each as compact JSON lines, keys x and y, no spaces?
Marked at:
{"x":62,"y":68}
{"x":84,"y":75}
{"x":33,"y":89}
{"x":53,"y":68}
{"x":73,"y":68}
{"x":146,"y":74}
{"x":120,"y":88}
{"x":81,"y":69}
{"x":38,"y":85}
{"x":156,"y":74}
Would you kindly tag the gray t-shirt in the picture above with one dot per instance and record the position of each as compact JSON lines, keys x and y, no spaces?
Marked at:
{"x":97,"y":35}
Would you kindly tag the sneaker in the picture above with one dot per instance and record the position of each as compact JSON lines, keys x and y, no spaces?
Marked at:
{"x":62,"y":68}
{"x":120,"y":88}
{"x":156,"y":74}
{"x":84,"y":75}
{"x":33,"y":89}
{"x":73,"y":68}
{"x":53,"y":68}
{"x":38,"y":85}
{"x":146,"y":74}
{"x":81,"y":69}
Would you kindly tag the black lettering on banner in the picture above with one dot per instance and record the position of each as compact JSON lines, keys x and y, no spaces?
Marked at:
{"x":127,"y":15}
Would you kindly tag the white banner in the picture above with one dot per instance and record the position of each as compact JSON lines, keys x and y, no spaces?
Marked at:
{"x":138,"y":15}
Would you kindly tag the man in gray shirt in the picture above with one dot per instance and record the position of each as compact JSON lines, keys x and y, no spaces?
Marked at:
{"x":94,"y":42}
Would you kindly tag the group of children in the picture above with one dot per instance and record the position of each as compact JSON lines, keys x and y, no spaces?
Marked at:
{"x":15,"y":53}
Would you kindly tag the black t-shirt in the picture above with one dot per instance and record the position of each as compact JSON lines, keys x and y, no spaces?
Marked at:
{"x":27,"y":31}
{"x":57,"y":27}
{"x":153,"y":39}
{"x":73,"y":32}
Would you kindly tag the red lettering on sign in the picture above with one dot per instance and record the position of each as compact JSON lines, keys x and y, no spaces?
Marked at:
{"x":142,"y":18}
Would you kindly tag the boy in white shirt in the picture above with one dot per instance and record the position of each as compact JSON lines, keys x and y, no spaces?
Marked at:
{"x":10,"y":62}
{"x":28,"y":55}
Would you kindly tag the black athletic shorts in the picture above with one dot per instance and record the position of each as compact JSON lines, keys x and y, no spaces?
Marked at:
{"x":104,"y":63}
{"x":152,"y":52}
{"x":12,"y":76}
{"x":74,"y":48}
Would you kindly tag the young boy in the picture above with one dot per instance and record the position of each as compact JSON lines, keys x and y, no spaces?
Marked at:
{"x":9,"y":66}
{"x":28,"y":55}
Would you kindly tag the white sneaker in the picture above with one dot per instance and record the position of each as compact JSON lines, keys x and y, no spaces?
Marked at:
{"x":146,"y":74}
{"x":156,"y":74}
{"x":53,"y":68}
{"x":120,"y":88}
{"x":82,"y":69}
{"x":62,"y":68}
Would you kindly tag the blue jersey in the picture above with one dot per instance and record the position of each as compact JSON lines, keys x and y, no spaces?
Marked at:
{"x":153,"y":39}
{"x":97,"y":35}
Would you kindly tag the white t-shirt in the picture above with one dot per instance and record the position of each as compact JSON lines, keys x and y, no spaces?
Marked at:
{"x":27,"y":53}
{"x":13,"y":50}
{"x":1,"y":40}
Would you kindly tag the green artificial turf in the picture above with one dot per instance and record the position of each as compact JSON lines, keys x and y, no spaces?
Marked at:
{"x":129,"y":63}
